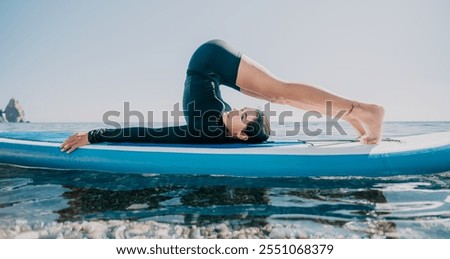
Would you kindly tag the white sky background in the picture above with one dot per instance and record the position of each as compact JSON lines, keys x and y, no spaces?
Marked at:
{"x":71,"y":61}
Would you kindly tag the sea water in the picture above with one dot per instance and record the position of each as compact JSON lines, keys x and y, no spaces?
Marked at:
{"x":37,"y":203}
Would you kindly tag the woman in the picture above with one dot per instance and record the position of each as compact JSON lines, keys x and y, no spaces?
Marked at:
{"x":211,"y":120}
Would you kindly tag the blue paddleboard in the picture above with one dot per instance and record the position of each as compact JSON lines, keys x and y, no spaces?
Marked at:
{"x":429,"y":153}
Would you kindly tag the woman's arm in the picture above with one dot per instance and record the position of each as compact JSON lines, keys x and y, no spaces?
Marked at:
{"x":170,"y":135}
{"x":175,"y":134}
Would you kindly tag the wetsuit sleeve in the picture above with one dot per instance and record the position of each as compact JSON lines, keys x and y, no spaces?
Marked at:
{"x":174,"y":134}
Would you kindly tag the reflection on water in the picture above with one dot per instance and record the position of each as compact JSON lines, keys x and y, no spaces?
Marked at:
{"x":85,"y":202}
{"x":390,"y":207}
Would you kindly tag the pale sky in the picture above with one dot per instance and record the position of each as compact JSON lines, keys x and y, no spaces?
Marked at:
{"x":72,"y":61}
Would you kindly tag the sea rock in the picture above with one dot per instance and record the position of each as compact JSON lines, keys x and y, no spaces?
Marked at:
{"x":14,"y":112}
{"x":2,"y":118}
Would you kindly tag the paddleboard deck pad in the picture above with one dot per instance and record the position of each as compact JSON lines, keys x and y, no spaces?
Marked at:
{"x":419,"y":154}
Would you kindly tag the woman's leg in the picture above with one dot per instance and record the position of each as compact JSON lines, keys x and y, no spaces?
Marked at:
{"x":255,"y":80}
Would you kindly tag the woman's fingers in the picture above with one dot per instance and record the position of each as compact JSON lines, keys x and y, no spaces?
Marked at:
{"x":65,"y":142}
{"x":65,"y":145}
{"x":73,"y":142}
{"x":69,"y":140}
{"x":72,"y":148}
{"x":68,"y":143}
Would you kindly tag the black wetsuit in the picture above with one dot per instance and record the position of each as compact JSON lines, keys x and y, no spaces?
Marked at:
{"x":213,"y":64}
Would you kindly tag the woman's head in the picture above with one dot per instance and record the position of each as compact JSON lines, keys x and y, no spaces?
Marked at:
{"x":247,"y":124}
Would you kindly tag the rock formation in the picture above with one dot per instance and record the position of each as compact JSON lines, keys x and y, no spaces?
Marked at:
{"x":14,"y":112}
{"x":2,"y":119}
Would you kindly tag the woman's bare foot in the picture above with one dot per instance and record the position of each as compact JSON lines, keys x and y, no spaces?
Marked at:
{"x":370,"y":117}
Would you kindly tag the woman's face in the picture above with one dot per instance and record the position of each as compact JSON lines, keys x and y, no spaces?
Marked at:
{"x":236,"y":121}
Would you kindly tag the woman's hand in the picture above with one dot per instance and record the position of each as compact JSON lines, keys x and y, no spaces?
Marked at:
{"x":75,"y":141}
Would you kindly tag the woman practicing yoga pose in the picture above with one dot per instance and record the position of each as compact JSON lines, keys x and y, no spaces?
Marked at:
{"x":211,"y":120}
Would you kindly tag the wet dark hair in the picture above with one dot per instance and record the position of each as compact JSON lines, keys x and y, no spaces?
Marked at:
{"x":258,"y":130}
